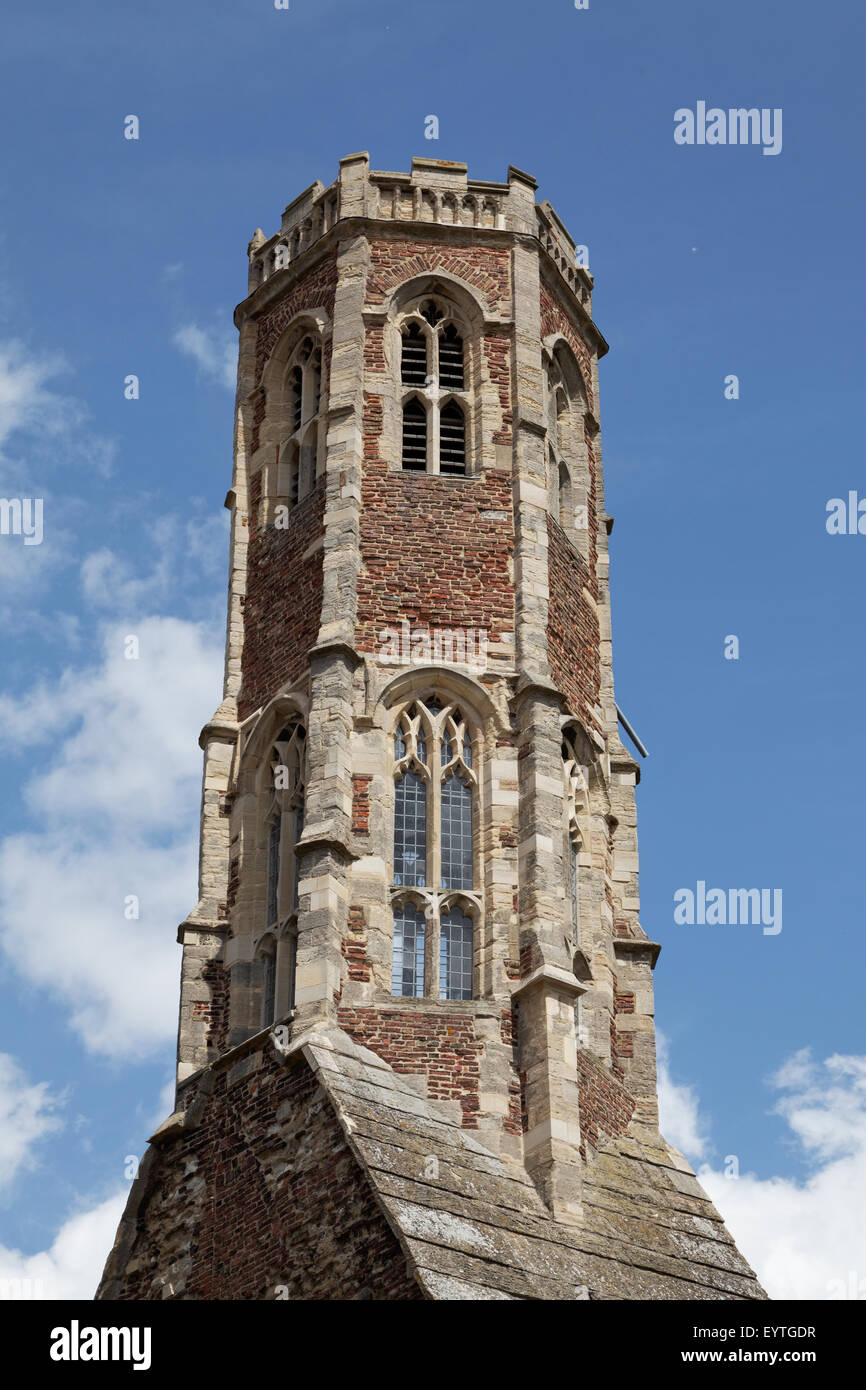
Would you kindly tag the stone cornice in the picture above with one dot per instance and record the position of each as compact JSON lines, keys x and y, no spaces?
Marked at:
{"x":552,"y":978}
{"x":634,"y":945}
{"x":266,"y":295}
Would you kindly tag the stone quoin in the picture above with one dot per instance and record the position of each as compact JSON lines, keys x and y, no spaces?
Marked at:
{"x":416,"y":1052}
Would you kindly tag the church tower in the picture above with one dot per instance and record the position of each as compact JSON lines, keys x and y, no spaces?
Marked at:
{"x":416,"y":1052}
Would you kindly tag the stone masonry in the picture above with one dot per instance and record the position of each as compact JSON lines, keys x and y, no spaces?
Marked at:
{"x":333,"y":1139}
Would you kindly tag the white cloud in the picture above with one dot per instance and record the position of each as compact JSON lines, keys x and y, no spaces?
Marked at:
{"x":114,"y":793}
{"x":28,"y":1112}
{"x":215,"y":352}
{"x":182,"y":552}
{"x":804,"y":1239}
{"x":679,"y":1110}
{"x":49,"y":433}
{"x":26,"y":403}
{"x":30,"y":407}
{"x":73,"y":1266}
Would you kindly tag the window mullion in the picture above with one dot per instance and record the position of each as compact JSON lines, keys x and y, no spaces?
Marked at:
{"x":434,"y":926}
{"x":433,"y":439}
{"x":433,"y":435}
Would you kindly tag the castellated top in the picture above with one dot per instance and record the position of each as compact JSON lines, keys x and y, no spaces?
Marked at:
{"x":416,"y":1052}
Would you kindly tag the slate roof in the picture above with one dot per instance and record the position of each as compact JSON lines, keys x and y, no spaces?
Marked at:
{"x":473,"y":1226}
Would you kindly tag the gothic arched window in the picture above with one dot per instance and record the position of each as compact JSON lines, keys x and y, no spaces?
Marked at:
{"x":452,"y":439}
{"x":414,"y":435}
{"x":284,"y":824}
{"x":407,"y":969}
{"x":433,"y":356}
{"x":434,"y":890}
{"x":567,"y":451}
{"x":300,"y":447}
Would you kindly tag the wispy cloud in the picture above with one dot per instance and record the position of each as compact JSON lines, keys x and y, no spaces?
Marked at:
{"x":182,"y":551}
{"x":28,"y":1112}
{"x":801,"y":1237}
{"x":72,"y":1267}
{"x":214,"y":351}
{"x":114,"y":801}
{"x":679,"y":1109}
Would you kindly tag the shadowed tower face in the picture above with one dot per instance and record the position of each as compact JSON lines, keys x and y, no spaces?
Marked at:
{"x":416,"y":972}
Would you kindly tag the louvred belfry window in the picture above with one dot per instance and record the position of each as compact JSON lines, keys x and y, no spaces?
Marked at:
{"x":414,"y":363}
{"x":414,"y":436}
{"x":435,"y":419}
{"x":434,"y":888}
{"x":452,"y":439}
{"x":303,"y":417}
{"x":568,"y":458}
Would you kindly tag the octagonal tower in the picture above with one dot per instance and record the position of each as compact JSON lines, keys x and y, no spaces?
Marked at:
{"x":418,"y":943}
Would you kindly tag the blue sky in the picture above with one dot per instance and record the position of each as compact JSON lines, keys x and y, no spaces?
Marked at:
{"x":121,"y":257}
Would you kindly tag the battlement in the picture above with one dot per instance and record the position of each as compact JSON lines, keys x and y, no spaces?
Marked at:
{"x":436,"y":192}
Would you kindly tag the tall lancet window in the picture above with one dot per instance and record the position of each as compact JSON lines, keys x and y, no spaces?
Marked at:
{"x":303,"y":423}
{"x":434,"y":356}
{"x":284,"y":825}
{"x":568,"y":458}
{"x":434,"y":881}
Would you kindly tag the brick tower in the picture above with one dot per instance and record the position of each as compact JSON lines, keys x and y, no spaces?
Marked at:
{"x":416,"y":1050}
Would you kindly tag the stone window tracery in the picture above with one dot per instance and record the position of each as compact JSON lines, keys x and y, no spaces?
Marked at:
{"x":434,"y":896}
{"x":434,"y":420}
{"x":284,"y":823}
{"x":566,"y":407}
{"x":300,"y":447}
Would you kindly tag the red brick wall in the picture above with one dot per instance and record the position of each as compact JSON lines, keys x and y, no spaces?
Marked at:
{"x":572,"y":626}
{"x":398,"y":257}
{"x":216,"y":1011}
{"x":361,"y":805}
{"x":429,"y":556}
{"x":260,"y":1210}
{"x":442,"y":1047}
{"x":606,"y":1107}
{"x":283,"y":605}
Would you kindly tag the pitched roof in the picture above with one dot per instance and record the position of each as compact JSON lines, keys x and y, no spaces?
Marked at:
{"x":473,"y":1226}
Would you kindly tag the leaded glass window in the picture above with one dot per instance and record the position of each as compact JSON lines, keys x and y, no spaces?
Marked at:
{"x":407,"y":970}
{"x":456,"y":838}
{"x":434,"y":823}
{"x":455,"y":956}
{"x":284,"y":824}
{"x":410,"y":831}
